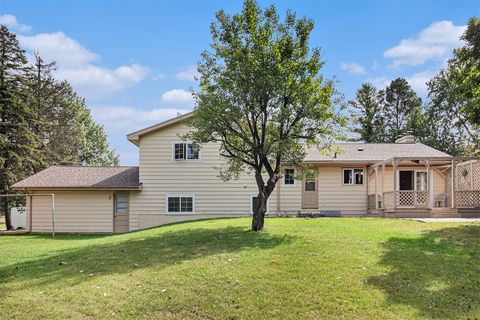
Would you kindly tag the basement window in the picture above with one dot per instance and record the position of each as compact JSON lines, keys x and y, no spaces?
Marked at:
{"x":180,"y":204}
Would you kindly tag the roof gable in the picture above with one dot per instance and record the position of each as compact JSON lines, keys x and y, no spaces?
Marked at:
{"x":134,"y":137}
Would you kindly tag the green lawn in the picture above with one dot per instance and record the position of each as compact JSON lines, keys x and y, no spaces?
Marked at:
{"x":217,"y":269}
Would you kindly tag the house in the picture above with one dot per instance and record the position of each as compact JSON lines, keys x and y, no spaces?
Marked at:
{"x":177,"y":182}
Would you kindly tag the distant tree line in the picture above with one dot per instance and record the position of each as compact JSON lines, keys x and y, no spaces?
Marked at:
{"x":43,"y":122}
{"x":450,"y":118}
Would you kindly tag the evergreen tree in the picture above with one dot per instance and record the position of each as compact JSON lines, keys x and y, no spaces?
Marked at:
{"x":19,"y":152}
{"x":400,"y":103}
{"x":367,"y":114}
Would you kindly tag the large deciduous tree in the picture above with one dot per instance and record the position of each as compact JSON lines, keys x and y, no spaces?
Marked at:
{"x":262,"y":97}
{"x":455,"y":90}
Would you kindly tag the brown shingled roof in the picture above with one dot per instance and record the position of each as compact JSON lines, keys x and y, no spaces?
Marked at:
{"x":82,"y":177}
{"x":372,"y":152}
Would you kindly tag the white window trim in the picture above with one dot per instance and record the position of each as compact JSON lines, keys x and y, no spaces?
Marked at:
{"x":180,"y":195}
{"x":181,"y":160}
{"x":294,"y":180}
{"x":353,"y":177}
{"x":251,"y":204}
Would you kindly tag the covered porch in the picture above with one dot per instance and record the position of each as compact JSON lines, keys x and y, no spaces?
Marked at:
{"x":424,"y":187}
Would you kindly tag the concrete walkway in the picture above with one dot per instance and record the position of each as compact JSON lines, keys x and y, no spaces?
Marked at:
{"x":444,"y":219}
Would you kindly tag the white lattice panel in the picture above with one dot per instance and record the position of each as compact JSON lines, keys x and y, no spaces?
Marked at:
{"x":467,"y":198}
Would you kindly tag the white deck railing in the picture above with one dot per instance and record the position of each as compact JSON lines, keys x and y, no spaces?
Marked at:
{"x":406,"y":199}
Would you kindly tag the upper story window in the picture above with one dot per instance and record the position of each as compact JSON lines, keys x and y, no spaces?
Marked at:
{"x":353,"y":176}
{"x":186,"y":151}
{"x":289,"y":177}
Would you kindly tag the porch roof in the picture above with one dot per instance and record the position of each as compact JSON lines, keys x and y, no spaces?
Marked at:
{"x":375,"y":152}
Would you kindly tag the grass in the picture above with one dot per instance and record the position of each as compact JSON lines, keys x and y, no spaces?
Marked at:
{"x":217,"y":269}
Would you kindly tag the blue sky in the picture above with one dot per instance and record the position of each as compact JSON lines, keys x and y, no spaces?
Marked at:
{"x":134,"y":61}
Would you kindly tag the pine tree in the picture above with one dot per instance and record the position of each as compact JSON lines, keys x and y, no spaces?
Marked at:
{"x":401,"y":101}
{"x":367,"y":114}
{"x":19,"y":152}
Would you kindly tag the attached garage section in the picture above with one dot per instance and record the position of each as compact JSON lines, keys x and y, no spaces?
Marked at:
{"x":87,"y":199}
{"x":75,"y":211}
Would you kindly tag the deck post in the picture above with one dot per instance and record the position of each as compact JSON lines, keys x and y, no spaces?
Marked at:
{"x":383,"y":183}
{"x":394,"y":184}
{"x":376,"y":186}
{"x":453,"y":183}
{"x":429,"y":184}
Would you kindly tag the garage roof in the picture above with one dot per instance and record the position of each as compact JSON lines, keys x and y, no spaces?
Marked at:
{"x":82,"y":177}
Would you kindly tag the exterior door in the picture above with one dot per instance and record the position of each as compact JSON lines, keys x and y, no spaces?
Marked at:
{"x":406,"y":181}
{"x":120,"y":213}
{"x":310,"y":191}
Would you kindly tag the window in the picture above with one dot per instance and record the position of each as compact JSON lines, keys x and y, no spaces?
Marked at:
{"x":121,"y":204}
{"x":353,"y":176}
{"x":310,"y":181}
{"x":186,"y":151}
{"x":421,"y":181}
{"x":289,"y":177}
{"x":180,"y":204}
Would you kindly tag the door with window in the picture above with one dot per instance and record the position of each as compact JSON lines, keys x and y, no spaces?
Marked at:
{"x":120,"y":213}
{"x":310,"y":190}
{"x":413,"y":190}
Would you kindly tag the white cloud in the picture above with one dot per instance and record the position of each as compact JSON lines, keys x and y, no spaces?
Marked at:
{"x":187,"y":74}
{"x":11,"y":22}
{"x":353,"y":67}
{"x":177,"y":96}
{"x":419,"y":80}
{"x":126,"y":119}
{"x":432,"y":43}
{"x":76,"y":64}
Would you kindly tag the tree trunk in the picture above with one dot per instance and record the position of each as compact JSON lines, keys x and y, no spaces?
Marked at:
{"x":259,"y":212}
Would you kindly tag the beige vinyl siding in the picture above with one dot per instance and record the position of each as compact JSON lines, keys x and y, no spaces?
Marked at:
{"x":75,"y":211}
{"x":439,"y":184}
{"x":160,"y":176}
{"x":333,"y":195}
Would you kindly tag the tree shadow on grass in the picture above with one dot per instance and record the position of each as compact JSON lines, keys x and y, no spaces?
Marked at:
{"x":160,"y":250}
{"x":438,"y":274}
